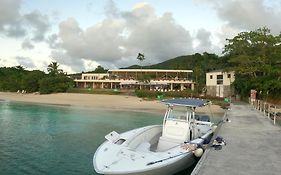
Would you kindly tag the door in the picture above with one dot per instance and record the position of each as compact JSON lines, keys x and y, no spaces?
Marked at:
{"x":219,"y":91}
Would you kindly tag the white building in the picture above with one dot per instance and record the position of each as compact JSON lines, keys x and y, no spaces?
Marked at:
{"x":218,"y":83}
{"x":94,"y":76}
{"x":157,"y":79}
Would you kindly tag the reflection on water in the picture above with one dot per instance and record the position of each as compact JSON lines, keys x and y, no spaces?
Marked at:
{"x":42,"y":139}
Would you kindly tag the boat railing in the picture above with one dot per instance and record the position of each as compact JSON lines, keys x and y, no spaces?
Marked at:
{"x":271,"y":111}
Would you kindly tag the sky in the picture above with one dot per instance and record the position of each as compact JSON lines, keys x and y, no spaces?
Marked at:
{"x":80,"y":35}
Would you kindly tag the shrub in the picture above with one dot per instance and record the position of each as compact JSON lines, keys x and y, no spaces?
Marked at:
{"x":53,"y":84}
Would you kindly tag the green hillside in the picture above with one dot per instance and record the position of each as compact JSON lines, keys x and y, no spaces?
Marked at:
{"x":206,"y":61}
{"x":199,"y":63}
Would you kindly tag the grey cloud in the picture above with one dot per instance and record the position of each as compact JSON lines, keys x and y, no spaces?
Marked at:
{"x":159,"y":37}
{"x":248,"y":15}
{"x":39,"y":23}
{"x":9,"y":11}
{"x":122,"y":35}
{"x":14,"y":30}
{"x":10,"y":22}
{"x":53,"y":41}
{"x":25,"y":61}
{"x":99,"y":42}
{"x":62,"y":58}
{"x":15,"y":24}
{"x":27,"y":45}
{"x":204,"y":38}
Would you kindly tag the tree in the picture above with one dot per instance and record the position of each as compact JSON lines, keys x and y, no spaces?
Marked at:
{"x":254,"y":52}
{"x":197,"y":72}
{"x":100,"y":69}
{"x":53,"y":69}
{"x":53,"y":84}
{"x":30,"y":81}
{"x":255,"y":57}
{"x":141,"y":58}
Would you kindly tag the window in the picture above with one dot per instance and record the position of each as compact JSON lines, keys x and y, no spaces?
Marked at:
{"x":219,"y":79}
{"x":228,"y":75}
{"x":211,"y":76}
{"x":177,"y":113}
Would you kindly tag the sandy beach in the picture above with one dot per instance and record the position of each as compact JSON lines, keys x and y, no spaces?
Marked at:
{"x":111,"y":102}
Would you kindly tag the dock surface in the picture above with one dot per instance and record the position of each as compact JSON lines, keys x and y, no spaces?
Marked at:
{"x":253,"y":146}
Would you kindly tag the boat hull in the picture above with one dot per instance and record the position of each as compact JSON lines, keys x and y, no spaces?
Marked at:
{"x":180,"y":165}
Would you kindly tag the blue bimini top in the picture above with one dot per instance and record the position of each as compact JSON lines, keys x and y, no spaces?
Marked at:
{"x":188,"y":102}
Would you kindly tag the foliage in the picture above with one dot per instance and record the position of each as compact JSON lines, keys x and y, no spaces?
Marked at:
{"x":58,"y":83}
{"x":153,"y":94}
{"x":99,"y":69}
{"x":30,"y":81}
{"x":144,"y":78}
{"x":255,"y":57}
{"x":141,"y":58}
{"x":53,"y":69}
{"x":17,"y":78}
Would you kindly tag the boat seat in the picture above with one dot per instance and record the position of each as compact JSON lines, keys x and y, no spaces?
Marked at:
{"x":166,"y":143}
{"x":143,"y":147}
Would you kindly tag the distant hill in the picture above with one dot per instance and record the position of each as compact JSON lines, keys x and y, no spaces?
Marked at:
{"x":206,"y":62}
{"x":199,"y":63}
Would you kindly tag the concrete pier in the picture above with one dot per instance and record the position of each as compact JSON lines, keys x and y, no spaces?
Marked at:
{"x":253,"y":146}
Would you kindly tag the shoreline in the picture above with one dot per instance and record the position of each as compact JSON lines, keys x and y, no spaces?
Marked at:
{"x":99,"y":101}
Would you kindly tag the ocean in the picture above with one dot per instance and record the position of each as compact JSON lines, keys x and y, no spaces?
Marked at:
{"x":48,"y":139}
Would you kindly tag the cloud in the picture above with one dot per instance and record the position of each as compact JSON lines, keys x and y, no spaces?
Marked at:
{"x":13,"y":24}
{"x":204,"y":40}
{"x":10,"y":18}
{"x":25,"y":61}
{"x":39,"y":23}
{"x":53,"y":41}
{"x":118,"y":38}
{"x":240,"y":15}
{"x":27,"y":45}
{"x":9,"y":10}
{"x":248,"y":15}
{"x":159,"y":37}
{"x":63,"y":58}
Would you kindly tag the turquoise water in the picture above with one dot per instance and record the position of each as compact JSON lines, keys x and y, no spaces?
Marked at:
{"x":38,"y":139}
{"x":45,"y":139}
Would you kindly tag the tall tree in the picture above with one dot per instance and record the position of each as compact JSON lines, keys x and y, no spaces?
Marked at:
{"x":53,"y":69}
{"x":100,"y":69}
{"x":255,"y":57}
{"x":141,"y":58}
{"x":254,"y":52}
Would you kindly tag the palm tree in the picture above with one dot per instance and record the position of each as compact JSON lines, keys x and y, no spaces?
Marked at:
{"x":141,"y":58}
{"x":53,"y":68}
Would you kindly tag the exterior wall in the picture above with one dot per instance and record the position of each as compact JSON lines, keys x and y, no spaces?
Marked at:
{"x":164,"y":80}
{"x":226,"y":80}
{"x":219,"y":87}
{"x":212,"y":91}
{"x":94,"y":76}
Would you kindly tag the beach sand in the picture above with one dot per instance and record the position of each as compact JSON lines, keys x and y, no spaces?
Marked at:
{"x":109,"y":102}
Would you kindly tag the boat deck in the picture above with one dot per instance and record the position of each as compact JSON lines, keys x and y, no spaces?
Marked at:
{"x":253,"y":146}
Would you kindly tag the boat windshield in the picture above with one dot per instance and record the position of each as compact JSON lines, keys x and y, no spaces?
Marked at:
{"x":178,"y":113}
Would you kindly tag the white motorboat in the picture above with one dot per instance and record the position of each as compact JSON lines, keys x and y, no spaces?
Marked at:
{"x":158,"y":149}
